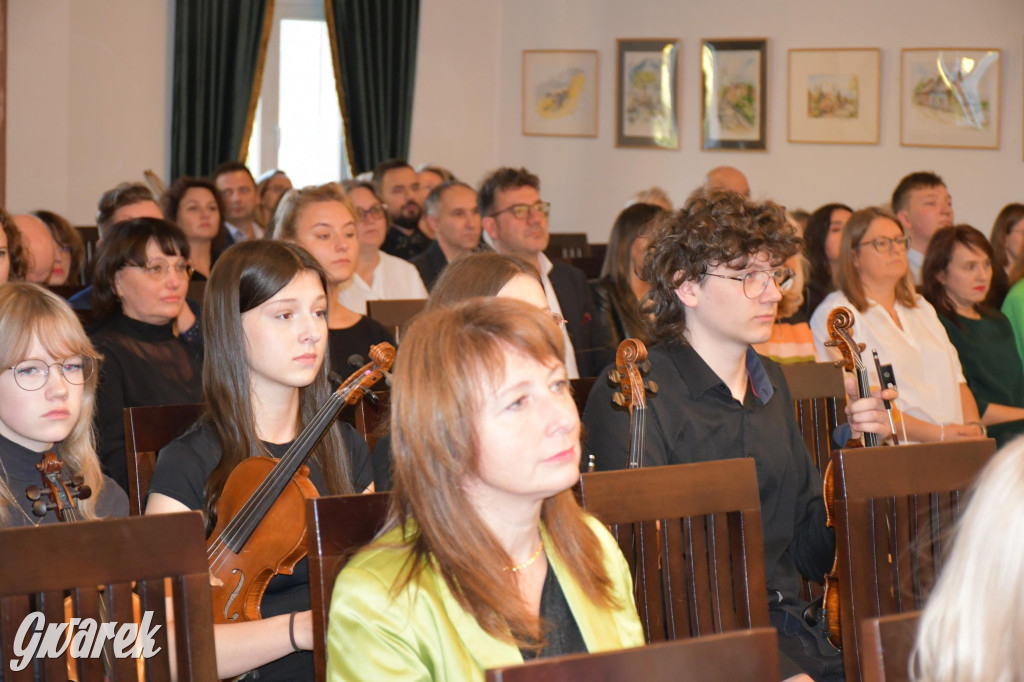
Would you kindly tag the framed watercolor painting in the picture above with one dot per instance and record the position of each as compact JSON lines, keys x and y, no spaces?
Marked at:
{"x":733,"y":94}
{"x":950,"y":97}
{"x":560,"y":92}
{"x":834,"y":96}
{"x":646,"y":94}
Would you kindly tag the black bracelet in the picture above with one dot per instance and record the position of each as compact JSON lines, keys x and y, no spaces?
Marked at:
{"x":291,"y":631}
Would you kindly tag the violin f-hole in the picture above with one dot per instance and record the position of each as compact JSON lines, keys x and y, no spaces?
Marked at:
{"x":234,"y":595}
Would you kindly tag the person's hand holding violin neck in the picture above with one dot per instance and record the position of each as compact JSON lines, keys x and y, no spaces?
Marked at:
{"x":867,"y":415}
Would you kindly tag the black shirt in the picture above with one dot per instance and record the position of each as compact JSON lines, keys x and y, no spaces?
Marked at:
{"x":405,"y":246}
{"x":182,"y":469}
{"x":19,"y":472}
{"x":562,"y":634}
{"x":694,"y":418}
{"x":355,"y":340}
{"x":143,"y":365}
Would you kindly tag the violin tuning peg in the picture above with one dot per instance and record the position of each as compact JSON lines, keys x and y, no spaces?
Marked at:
{"x":77,"y":480}
{"x":82,"y":492}
{"x":32,"y":492}
{"x":619,"y":399}
{"x":645,"y":366}
{"x":371,"y":397}
{"x":613,"y":376}
{"x":40,"y":507}
{"x":652,"y":387}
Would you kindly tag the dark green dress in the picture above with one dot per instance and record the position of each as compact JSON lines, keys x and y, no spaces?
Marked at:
{"x":988,"y":354}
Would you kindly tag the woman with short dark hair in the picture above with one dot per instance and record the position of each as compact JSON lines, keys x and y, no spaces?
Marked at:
{"x":139,"y":287}
{"x":195,"y":206}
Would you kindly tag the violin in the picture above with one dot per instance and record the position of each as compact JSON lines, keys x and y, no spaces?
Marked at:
{"x":243,"y":551}
{"x":630,"y":357}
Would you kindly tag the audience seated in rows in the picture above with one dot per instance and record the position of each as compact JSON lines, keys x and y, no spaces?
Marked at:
{"x":822,"y":236}
{"x":429,"y":177}
{"x":237,"y":189}
{"x":270,"y":187}
{"x":194,"y":205}
{"x":398,"y":187}
{"x":923,"y":206}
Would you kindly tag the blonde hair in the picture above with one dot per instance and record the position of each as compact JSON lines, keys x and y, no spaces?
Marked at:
{"x":848,"y":278}
{"x":793,"y":297}
{"x":972,"y":625}
{"x":284,"y":224}
{"x":450,"y":358}
{"x":28,"y":311}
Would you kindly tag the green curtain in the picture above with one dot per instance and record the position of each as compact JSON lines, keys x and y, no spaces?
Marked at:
{"x":219,"y":47}
{"x":374,"y":48}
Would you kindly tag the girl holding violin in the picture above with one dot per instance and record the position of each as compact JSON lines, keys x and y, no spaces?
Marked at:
{"x":47,"y":392}
{"x":874,"y":280}
{"x":264,"y":378}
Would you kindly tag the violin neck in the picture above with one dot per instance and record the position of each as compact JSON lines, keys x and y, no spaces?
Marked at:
{"x":864,"y":391}
{"x":238,"y":531}
{"x":637,"y":435}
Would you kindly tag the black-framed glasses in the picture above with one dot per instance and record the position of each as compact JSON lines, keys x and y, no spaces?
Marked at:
{"x":160,"y":269}
{"x":886,"y":244}
{"x":756,"y":281}
{"x":376,"y":211}
{"x":32,"y":374}
{"x":523,"y":211}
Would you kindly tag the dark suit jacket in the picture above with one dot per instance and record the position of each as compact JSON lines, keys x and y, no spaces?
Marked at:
{"x":430,"y":263}
{"x":587,"y":330}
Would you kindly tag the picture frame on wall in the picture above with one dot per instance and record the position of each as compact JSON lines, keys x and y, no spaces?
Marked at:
{"x":734,"y":93}
{"x":834,"y":95}
{"x":560,"y":92}
{"x":950,"y":97}
{"x":646,"y":93}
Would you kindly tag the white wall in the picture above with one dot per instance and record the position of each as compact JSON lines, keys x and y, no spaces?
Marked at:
{"x":588,"y":180}
{"x":455,"y":111}
{"x":88,"y":88}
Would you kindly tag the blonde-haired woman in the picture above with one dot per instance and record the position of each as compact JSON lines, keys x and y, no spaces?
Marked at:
{"x":47,"y":395}
{"x":486,"y":557}
{"x":321,"y":219}
{"x":874,"y":283}
{"x":971,"y":627}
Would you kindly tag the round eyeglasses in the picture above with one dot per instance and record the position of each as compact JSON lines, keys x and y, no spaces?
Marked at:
{"x":159,"y":269}
{"x":756,"y":281}
{"x":886,"y":244}
{"x":32,"y":375}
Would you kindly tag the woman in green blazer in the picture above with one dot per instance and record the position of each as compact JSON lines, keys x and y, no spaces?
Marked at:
{"x":486,"y":559}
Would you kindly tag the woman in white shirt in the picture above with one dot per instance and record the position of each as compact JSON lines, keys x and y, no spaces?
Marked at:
{"x":874,"y":283}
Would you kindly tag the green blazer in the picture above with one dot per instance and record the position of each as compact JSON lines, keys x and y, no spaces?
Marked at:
{"x":423,"y":634}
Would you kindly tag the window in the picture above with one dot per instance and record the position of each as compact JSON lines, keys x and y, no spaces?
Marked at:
{"x":298,"y":126}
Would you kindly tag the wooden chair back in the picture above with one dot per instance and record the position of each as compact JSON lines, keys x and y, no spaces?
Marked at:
{"x":373,"y":421}
{"x":338,"y":527}
{"x":741,"y":656}
{"x":567,"y":245}
{"x":395,"y":313}
{"x":895,"y":508}
{"x":886,"y":645}
{"x":146,"y":430}
{"x":39,"y":566}
{"x":819,"y":399}
{"x":90,"y":235}
{"x":691,"y":534}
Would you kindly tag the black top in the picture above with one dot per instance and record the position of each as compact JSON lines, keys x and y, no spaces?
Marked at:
{"x":992,"y":366}
{"x":587,"y":330}
{"x":430,"y":263}
{"x":406,"y":246}
{"x":623,"y":319}
{"x":562,"y":635}
{"x":143,"y":365}
{"x":694,"y":418}
{"x":19,"y":470}
{"x":355,"y":340}
{"x":182,"y":469}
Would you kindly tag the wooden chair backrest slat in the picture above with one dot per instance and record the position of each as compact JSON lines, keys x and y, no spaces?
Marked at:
{"x":146,"y":430}
{"x":895,"y":509}
{"x":886,"y":645}
{"x":703,"y":571}
{"x":741,"y":656}
{"x":394,"y":314}
{"x":338,"y":527}
{"x":567,"y":245}
{"x":116,"y":554}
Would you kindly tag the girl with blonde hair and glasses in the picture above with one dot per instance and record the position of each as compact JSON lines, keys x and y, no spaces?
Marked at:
{"x":47,"y":391}
{"x":875,"y":285}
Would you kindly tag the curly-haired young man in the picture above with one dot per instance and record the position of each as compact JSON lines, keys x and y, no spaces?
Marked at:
{"x":716,"y":273}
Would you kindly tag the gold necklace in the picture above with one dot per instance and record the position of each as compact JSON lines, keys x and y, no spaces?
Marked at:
{"x":528,"y":562}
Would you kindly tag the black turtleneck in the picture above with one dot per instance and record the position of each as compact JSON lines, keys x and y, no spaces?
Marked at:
{"x":143,"y":365}
{"x":19,"y":464}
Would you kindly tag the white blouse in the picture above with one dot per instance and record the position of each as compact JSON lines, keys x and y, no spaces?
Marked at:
{"x":926,"y":365}
{"x":393,"y":278}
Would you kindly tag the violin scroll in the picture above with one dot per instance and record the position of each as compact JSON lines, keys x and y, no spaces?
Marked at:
{"x":840,"y":321}
{"x":60,"y":493}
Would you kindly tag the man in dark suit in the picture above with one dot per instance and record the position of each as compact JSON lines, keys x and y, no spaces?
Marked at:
{"x":454,"y":217}
{"x":516,"y":220}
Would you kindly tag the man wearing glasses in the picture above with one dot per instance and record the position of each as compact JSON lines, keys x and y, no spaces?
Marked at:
{"x":717,"y":275}
{"x":516,"y":221}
